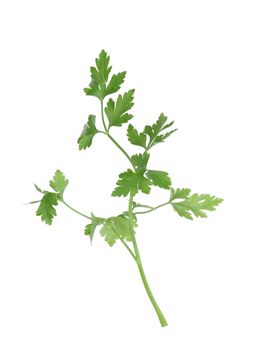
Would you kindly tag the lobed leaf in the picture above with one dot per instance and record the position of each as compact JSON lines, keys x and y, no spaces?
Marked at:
{"x":115,"y":83}
{"x":159,"y":178}
{"x":140,"y":162}
{"x":88,"y":132}
{"x":46,"y":209}
{"x":98,"y":86}
{"x":195,"y":204}
{"x":131,"y":182}
{"x":154,"y":131}
{"x":179,"y":193}
{"x":116,"y":227}
{"x":59,"y":182}
{"x":116,"y":112}
{"x":136,"y":138}
{"x":99,"y":76}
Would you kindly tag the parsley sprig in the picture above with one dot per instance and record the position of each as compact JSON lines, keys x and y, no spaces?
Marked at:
{"x":138,"y":178}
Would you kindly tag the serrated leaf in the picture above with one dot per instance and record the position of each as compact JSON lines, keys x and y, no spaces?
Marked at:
{"x":120,"y":224}
{"x":196,"y":204}
{"x":109,"y":233}
{"x":136,"y":138}
{"x":115,"y":83}
{"x":46,"y":209}
{"x":161,"y":138}
{"x":115,"y":227}
{"x":130,"y":182}
{"x":179,"y":193}
{"x":103,"y":68}
{"x":140,"y":161}
{"x":99,"y":76}
{"x":154,"y":131}
{"x":88,"y":132}
{"x":159,"y":178}
{"x":116,"y":112}
{"x":59,"y":182}
{"x":93,"y":90}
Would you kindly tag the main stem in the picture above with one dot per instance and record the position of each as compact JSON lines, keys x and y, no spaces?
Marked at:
{"x":136,"y":254}
{"x":140,"y":266}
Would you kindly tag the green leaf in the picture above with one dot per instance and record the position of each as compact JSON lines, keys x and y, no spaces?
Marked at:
{"x":195,"y":204}
{"x":140,"y":161}
{"x":59,"y":182}
{"x":179,"y":193}
{"x":98,"y":86}
{"x":93,"y":90}
{"x":116,"y":112}
{"x":88,"y":132}
{"x":131,"y":182}
{"x":115,"y":83}
{"x":90,"y":228}
{"x":159,"y":178}
{"x":109,"y":233}
{"x":115,"y":227}
{"x":138,"y":139}
{"x":103,"y":69}
{"x":99,"y":76}
{"x":154,"y":131}
{"x":46,"y":209}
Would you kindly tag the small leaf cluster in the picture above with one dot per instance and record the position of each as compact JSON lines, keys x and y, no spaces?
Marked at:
{"x":187,"y":205}
{"x":117,"y":112}
{"x":50,"y":200}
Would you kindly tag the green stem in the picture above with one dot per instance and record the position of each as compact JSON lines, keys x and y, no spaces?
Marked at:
{"x":127,"y":247}
{"x":152,"y":209}
{"x":103,"y":118}
{"x":140,"y":266}
{"x":121,"y":149}
{"x":75,"y":211}
{"x":111,"y":138}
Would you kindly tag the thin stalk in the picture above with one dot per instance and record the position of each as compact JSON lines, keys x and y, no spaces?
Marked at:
{"x":75,"y":211}
{"x":121,"y":149}
{"x":127,"y":247}
{"x":111,"y":137}
{"x":152,"y":209}
{"x":143,"y":206}
{"x":158,"y":311}
{"x":103,"y":118}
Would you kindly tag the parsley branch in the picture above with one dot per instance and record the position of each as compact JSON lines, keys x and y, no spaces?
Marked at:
{"x":140,"y":178}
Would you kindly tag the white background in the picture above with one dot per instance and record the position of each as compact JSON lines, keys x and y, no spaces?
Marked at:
{"x":196,"y":61}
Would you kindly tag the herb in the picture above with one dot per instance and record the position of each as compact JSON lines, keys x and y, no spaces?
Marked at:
{"x":138,"y":178}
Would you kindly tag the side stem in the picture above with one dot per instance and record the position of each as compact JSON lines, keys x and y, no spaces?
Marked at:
{"x":152,"y":209}
{"x":106,"y":132}
{"x":75,"y":211}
